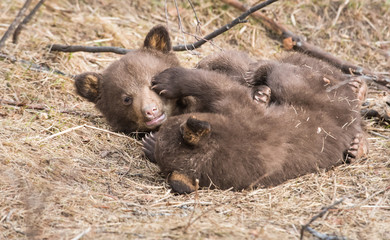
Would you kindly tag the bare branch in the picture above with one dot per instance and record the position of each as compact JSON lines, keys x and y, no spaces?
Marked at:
{"x":240,"y":19}
{"x":23,"y":104}
{"x":33,"y":66}
{"x":26,"y":20}
{"x":342,"y":6}
{"x":42,"y":107}
{"x":320,"y":214}
{"x":198,"y":23}
{"x":78,"y":48}
{"x":91,"y":127}
{"x":225,"y":28}
{"x":166,"y":12}
{"x":180,"y":24}
{"x":15,"y":23}
{"x":293,"y":41}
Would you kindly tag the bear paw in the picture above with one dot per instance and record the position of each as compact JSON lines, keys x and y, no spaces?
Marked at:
{"x":359,"y":87}
{"x":167,"y":83}
{"x":358,"y":149}
{"x":149,"y":144}
{"x":262,"y":95}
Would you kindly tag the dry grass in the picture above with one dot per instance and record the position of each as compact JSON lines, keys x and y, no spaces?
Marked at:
{"x":92,"y":184}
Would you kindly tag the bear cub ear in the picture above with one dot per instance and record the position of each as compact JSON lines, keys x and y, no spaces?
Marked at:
{"x":158,"y":39}
{"x":181,"y":183}
{"x":87,"y":85}
{"x":194,"y":129}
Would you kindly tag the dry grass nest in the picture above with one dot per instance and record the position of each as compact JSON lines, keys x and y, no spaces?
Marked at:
{"x":90,"y":183}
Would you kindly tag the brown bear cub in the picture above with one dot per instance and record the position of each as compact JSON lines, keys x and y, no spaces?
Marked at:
{"x":313,"y":124}
{"x":122,"y":91}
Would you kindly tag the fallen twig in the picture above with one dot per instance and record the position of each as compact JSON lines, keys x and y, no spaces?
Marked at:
{"x":82,"y":234}
{"x":379,"y":135}
{"x":93,"y":49}
{"x":83,"y":114}
{"x":25,"y":21}
{"x":91,"y":127}
{"x":372,"y":113}
{"x":377,"y":108}
{"x":33,"y":66}
{"x":192,"y":46}
{"x":342,"y":6}
{"x":42,"y":107}
{"x":296,"y":42}
{"x":191,"y":220}
{"x":15,"y":23}
{"x":322,"y":236}
{"x":223,"y":29}
{"x":23,"y":104}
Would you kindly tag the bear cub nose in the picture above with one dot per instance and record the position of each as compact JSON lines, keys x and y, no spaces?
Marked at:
{"x":151,"y":112}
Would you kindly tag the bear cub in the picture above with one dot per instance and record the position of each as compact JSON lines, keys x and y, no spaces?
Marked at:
{"x":313,"y":123}
{"x":122,"y":92}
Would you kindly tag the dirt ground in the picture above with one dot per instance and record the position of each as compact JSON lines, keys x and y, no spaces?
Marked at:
{"x":88,"y":182}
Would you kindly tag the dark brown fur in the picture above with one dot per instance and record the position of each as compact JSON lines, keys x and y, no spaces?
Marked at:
{"x":122,"y":91}
{"x":247,"y":146}
{"x":241,"y":68}
{"x":234,"y":64}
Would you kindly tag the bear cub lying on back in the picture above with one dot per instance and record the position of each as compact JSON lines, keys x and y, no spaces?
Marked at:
{"x":122,"y":91}
{"x":237,"y":144}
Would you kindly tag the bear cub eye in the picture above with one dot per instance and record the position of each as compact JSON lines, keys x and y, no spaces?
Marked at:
{"x":127,"y":100}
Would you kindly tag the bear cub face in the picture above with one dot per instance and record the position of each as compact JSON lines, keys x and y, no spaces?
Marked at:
{"x":122,"y":92}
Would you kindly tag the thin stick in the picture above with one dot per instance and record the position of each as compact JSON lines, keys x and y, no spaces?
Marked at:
{"x":93,"y":49}
{"x":60,"y":133}
{"x":198,"y":31}
{"x":26,"y":20}
{"x":166,"y":12}
{"x":379,"y":135}
{"x":33,"y":66}
{"x":225,"y":28}
{"x":22,"y":104}
{"x":42,"y":107}
{"x":15,"y":23}
{"x":195,"y":206}
{"x":296,"y":42}
{"x":199,"y":217}
{"x":115,"y":134}
{"x":342,"y":6}
{"x":180,"y":23}
{"x":192,"y":46}
{"x":323,"y":236}
{"x":322,"y":213}
{"x":198,"y":23}
{"x":82,"y":234}
{"x":91,"y":127}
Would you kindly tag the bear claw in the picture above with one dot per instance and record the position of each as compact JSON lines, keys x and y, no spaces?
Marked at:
{"x":357,"y":149}
{"x":359,"y":86}
{"x":262,"y":95}
{"x":149,"y":143}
